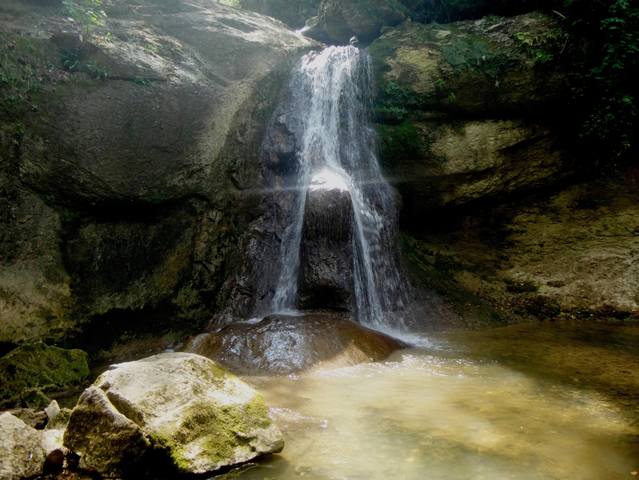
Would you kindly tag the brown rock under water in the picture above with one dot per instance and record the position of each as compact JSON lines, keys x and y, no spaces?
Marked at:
{"x":283,"y":344}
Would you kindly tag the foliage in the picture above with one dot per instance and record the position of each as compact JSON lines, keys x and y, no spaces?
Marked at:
{"x":542,"y":46}
{"x":88,"y":14}
{"x":23,"y":66}
{"x":605,"y":84}
{"x":394,"y":103}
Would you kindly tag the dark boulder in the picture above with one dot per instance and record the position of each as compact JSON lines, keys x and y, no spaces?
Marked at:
{"x":282,"y":344}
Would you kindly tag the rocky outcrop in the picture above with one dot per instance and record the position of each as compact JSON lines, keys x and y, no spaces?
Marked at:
{"x":338,"y":21}
{"x":38,"y":367}
{"x":174,"y":412}
{"x":461,"y":109}
{"x":21,"y":453}
{"x":281,"y":344}
{"x":124,"y":158}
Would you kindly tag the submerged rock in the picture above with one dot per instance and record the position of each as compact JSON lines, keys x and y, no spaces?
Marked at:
{"x":21,"y":452}
{"x":30,"y":367}
{"x":283,"y":344}
{"x":173,"y":412}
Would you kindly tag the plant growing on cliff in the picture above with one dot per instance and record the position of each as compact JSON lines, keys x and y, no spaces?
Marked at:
{"x":605,"y":87}
{"x":87,"y":14}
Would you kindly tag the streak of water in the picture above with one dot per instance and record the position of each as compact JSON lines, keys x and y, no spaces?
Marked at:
{"x":329,"y":103}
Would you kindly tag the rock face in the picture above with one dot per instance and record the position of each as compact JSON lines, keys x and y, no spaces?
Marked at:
{"x":568,"y":255}
{"x":326,"y":268}
{"x":460,"y":109}
{"x":339,"y":20}
{"x":21,"y":453}
{"x":458,"y":162}
{"x":124,"y":161}
{"x":173,"y":412}
{"x":282,"y":344}
{"x":39,"y":366}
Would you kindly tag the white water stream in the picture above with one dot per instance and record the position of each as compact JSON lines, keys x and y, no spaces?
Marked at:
{"x":330,"y":94}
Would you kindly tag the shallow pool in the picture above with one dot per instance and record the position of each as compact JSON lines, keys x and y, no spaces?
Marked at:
{"x":421,"y":415}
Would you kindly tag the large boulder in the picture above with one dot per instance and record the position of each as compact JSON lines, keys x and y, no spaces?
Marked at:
{"x":173,"y":412}
{"x":21,"y":452}
{"x":281,"y":344}
{"x":122,"y":158}
{"x":40,"y":367}
{"x":340,"y":20}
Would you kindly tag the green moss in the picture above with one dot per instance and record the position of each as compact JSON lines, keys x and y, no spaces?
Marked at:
{"x":39,"y":366}
{"x":399,"y":142}
{"x":219,"y":429}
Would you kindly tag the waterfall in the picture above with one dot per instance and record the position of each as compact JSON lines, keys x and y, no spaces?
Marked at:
{"x":328,"y":114}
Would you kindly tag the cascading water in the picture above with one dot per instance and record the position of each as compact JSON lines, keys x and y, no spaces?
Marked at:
{"x":328,"y":114}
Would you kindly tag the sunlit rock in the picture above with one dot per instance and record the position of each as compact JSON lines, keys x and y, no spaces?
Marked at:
{"x":21,"y":452}
{"x":175,"y":411}
{"x":284,"y":344}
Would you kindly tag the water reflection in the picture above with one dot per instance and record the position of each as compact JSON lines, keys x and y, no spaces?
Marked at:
{"x":421,"y":416}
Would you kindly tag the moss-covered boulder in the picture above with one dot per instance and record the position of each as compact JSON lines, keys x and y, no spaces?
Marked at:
{"x":340,"y":20}
{"x":176,"y":411}
{"x":38,"y":367}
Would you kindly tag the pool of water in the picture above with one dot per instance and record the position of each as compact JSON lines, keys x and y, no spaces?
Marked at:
{"x":421,"y":415}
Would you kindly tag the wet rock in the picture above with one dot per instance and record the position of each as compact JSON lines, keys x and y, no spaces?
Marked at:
{"x":326,"y":265}
{"x":172,"y":412}
{"x":282,"y":344}
{"x":31,"y":367}
{"x":340,"y":20}
{"x":21,"y":452}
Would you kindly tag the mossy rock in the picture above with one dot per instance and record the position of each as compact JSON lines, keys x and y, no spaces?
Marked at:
{"x":37,"y":367}
{"x":176,"y":412}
